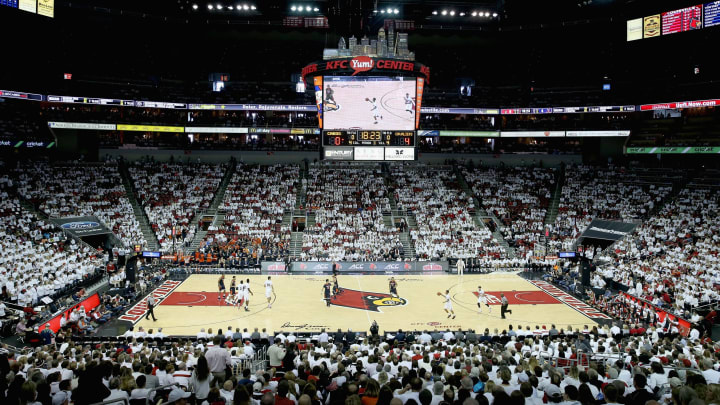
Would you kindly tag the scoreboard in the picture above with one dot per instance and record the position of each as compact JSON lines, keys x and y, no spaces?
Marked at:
{"x":363,"y":137}
{"x":368,"y":145}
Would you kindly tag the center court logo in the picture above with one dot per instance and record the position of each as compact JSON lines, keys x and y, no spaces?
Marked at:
{"x":361,"y":64}
{"x":369,"y":301}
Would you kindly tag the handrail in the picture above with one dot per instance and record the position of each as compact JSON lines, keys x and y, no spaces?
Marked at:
{"x":156,"y":389}
{"x":113,"y":401}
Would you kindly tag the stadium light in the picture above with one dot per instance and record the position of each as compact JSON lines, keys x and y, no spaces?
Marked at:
{"x":231,"y":8}
{"x":462,"y":14}
{"x":210,"y":7}
{"x":308,"y":8}
{"x":435,"y":12}
{"x":316,"y":9}
{"x":195,"y":6}
{"x":452,"y":13}
{"x":293,"y":8}
{"x":474,"y":13}
{"x":444,"y":12}
{"x":494,"y":15}
{"x":246,"y":7}
{"x":487,"y":14}
{"x":253,"y":7}
{"x":396,"y":11}
{"x":218,"y":6}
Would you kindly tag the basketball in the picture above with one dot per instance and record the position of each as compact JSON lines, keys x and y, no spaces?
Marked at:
{"x":439,"y":294}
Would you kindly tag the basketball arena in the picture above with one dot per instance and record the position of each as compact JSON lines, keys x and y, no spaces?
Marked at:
{"x":345,"y":202}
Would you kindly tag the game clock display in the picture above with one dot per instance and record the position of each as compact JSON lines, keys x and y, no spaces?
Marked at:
{"x":368,"y":138}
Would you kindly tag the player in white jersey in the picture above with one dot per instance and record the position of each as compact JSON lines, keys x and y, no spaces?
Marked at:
{"x":240,"y":294}
{"x":247,"y":293}
{"x":269,"y":290}
{"x":482,"y":300}
{"x":409,"y":104}
{"x":232,"y":299}
{"x":374,"y":109}
{"x":448,"y":304}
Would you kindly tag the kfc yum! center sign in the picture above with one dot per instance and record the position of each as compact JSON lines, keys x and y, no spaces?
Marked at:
{"x":367,"y":64}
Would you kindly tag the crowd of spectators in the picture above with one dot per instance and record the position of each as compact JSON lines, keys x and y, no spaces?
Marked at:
{"x":171,"y":195}
{"x":517,"y":196}
{"x":38,"y":260}
{"x":254,"y":204}
{"x":348,"y":204}
{"x":77,"y":189}
{"x":671,"y":259}
{"x":519,"y":365}
{"x":443,"y":213}
{"x":611,"y":193}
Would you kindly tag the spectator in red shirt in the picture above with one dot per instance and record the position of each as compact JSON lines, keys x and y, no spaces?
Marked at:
{"x":281,"y":398}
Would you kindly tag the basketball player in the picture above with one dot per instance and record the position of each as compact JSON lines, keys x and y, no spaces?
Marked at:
{"x":448,"y":305}
{"x":327,"y":287}
{"x":329,"y":95}
{"x":221,"y":287}
{"x":233,"y":286}
{"x":409,"y":104}
{"x":269,"y":290}
{"x":247,"y":294}
{"x":232,"y":299}
{"x":482,"y":300}
{"x":393,"y":287}
{"x":374,"y":109}
{"x":240,"y":295}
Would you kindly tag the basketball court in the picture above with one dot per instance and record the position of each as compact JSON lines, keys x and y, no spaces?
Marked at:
{"x":298,"y":304}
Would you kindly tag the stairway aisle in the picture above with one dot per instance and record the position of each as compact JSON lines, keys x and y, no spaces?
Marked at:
{"x":212,"y":209}
{"x":145,"y":228}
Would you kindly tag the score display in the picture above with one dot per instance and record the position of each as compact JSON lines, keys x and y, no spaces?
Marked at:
{"x":368,"y":138}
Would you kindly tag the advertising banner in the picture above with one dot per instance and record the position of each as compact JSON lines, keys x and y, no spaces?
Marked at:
{"x":365,"y":64}
{"x":692,"y":150}
{"x":608,"y":230}
{"x":149,"y":128}
{"x":680,"y":104}
{"x":273,"y":266}
{"x":341,"y":153}
{"x":369,"y":153}
{"x":46,"y":8}
{"x":215,"y":130}
{"x":634,"y":29}
{"x":369,"y":267}
{"x":452,"y":110}
{"x":399,"y":153}
{"x":683,"y":325}
{"x":81,"y":125}
{"x":81,"y":226}
{"x":593,"y":134}
{"x":89,"y":303}
{"x":318,"y":83}
{"x":532,"y":134}
{"x":651,"y":26}
{"x":420,"y":87}
{"x":472,"y":134}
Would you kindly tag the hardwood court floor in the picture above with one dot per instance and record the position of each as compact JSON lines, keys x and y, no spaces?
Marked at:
{"x":298,"y":305}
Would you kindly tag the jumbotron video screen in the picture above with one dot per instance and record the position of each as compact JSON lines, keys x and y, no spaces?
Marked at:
{"x":373,"y":103}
